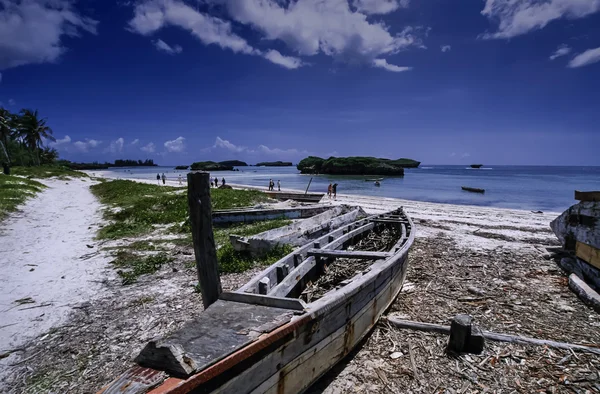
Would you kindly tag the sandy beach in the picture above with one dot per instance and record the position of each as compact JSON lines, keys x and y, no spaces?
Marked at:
{"x":501,"y":251}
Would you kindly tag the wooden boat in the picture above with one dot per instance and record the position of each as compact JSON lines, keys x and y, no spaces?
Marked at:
{"x":302,"y":197}
{"x":373,"y":179}
{"x":472,"y":189}
{"x":476,"y":165}
{"x":225,"y":217}
{"x":290,"y":324}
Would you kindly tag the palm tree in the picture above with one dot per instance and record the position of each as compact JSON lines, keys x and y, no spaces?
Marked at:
{"x":33,"y":130}
{"x":6,"y":130}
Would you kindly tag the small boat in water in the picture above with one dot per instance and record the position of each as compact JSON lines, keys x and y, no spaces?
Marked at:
{"x":476,"y":165}
{"x":473,"y":189}
{"x":290,"y":324}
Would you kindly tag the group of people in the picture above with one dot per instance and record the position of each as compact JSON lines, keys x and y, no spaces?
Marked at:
{"x":216,"y":182}
{"x":272,"y":185}
{"x":164,"y":179}
{"x":332,"y":190}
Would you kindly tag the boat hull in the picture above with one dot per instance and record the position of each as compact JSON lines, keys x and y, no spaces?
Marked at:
{"x":473,"y":189}
{"x":302,"y":197}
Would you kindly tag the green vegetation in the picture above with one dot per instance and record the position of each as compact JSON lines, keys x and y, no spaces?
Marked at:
{"x":103,"y":166}
{"x":182,"y":167}
{"x":210,"y":166}
{"x":47,"y":171}
{"x":234,"y":163}
{"x":355,"y":165}
{"x":274,"y":164}
{"x":131,"y":266}
{"x":232,"y":261}
{"x":14,"y":191}
{"x":140,"y":206}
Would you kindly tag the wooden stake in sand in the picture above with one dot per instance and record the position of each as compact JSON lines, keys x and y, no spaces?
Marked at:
{"x":202,"y":235}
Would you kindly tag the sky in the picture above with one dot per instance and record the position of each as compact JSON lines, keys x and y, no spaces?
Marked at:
{"x":440,"y":81}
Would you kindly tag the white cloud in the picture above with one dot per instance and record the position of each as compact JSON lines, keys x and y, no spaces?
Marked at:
{"x":31,"y":31}
{"x":149,"y":148}
{"x":176,"y":145}
{"x":446,"y":48}
{"x":84,"y":146}
{"x":517,"y":17}
{"x":116,"y":146}
{"x":11,"y":102}
{"x":452,"y":154}
{"x":221,"y":143}
{"x":382,"y":63}
{"x":60,"y":141}
{"x":308,"y":27}
{"x":284,"y":61}
{"x":464,"y":155}
{"x":562,"y":50}
{"x":583,"y":59}
{"x":134,"y":142}
{"x":379,"y":6}
{"x":164,"y":47}
{"x":279,"y":152}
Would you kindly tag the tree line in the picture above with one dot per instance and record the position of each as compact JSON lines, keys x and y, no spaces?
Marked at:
{"x":22,"y":138}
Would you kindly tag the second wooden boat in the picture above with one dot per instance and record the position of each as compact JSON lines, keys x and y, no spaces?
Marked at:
{"x":290,"y":324}
{"x":472,"y":189}
{"x":302,"y":197}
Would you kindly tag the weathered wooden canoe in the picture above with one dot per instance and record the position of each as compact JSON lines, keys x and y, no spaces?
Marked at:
{"x":302,"y":197}
{"x":251,"y":215}
{"x":472,"y":189}
{"x":290,"y":324}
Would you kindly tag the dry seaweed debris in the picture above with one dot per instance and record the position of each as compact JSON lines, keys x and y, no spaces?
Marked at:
{"x":508,"y":291}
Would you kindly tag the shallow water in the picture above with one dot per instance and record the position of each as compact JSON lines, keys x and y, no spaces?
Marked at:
{"x":519,"y":187}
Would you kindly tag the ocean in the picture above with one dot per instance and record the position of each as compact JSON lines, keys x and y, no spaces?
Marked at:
{"x":536,"y":188}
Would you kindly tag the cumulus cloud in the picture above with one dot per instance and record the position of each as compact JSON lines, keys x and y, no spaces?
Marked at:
{"x":176,"y":145}
{"x":225,"y":144}
{"x":379,"y":6}
{"x":60,"y":141}
{"x":32,"y":31}
{"x":149,"y":148}
{"x":517,"y":17}
{"x":307,"y":27}
{"x":116,"y":146}
{"x":562,"y":50}
{"x":586,"y":58}
{"x":284,"y":61}
{"x":134,"y":142}
{"x":11,"y":102}
{"x":85,"y":146}
{"x":164,"y":47}
{"x":263,"y":149}
{"x":382,"y":63}
{"x":446,"y":48}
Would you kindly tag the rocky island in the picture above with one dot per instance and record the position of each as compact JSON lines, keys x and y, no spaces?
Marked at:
{"x":234,"y":163}
{"x":274,"y":164}
{"x":356,"y":165}
{"x":210,"y":166}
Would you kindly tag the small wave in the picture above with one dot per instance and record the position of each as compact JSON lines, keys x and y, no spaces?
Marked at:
{"x":426,"y":168}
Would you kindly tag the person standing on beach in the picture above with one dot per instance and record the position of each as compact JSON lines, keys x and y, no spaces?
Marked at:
{"x":278,"y":185}
{"x":223,"y":182}
{"x":216,"y":182}
{"x":164,"y":178}
{"x":179,"y":178}
{"x":329,"y":189}
{"x":158,"y":179}
{"x":270,"y":184}
{"x":334,"y":190}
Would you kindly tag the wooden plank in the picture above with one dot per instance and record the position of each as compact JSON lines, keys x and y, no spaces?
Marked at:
{"x":352,"y":254}
{"x":287,"y":285}
{"x":588,"y":253}
{"x":203,"y":238}
{"x":136,"y":380}
{"x":256,"y":299}
{"x":587,"y":196}
{"x":386,"y":220}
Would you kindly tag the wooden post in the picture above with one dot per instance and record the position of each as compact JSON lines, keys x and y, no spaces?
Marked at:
{"x":202,"y":235}
{"x":460,"y":331}
{"x":309,"y":182}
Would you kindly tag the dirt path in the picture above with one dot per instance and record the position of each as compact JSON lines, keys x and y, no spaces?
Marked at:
{"x":45,"y":262}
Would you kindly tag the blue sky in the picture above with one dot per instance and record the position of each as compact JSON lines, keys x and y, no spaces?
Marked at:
{"x":443,"y":82}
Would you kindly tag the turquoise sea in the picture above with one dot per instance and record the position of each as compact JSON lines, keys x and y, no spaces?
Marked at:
{"x":520,"y":187}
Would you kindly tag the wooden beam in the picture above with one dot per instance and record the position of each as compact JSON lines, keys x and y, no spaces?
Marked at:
{"x":587,"y":196}
{"x":293,"y":278}
{"x":203,"y":238}
{"x":588,"y":253}
{"x":264,"y":300}
{"x":428,"y":327}
{"x":353,"y":254}
{"x":387,"y":220}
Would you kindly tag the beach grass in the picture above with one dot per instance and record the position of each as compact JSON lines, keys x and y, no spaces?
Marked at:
{"x":138,"y":207}
{"x":232,"y":261}
{"x":14,"y":191}
{"x":48,"y":171}
{"x":130,"y":265}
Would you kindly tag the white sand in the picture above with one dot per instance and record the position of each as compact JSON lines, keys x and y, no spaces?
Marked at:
{"x":43,"y":255}
{"x":514,"y":228}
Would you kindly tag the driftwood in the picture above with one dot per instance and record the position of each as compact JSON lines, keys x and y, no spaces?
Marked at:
{"x":429,"y":327}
